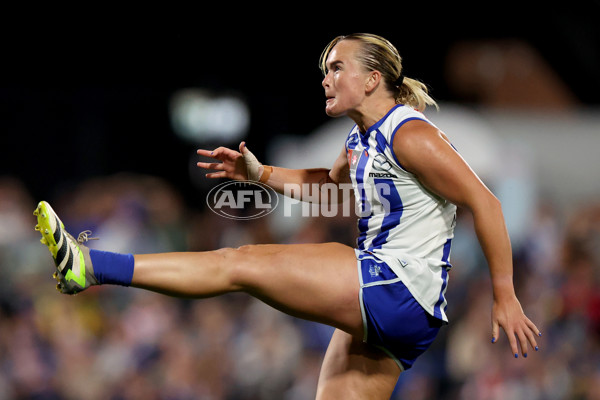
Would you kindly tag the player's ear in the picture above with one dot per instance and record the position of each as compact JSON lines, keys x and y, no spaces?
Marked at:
{"x":373,"y":80}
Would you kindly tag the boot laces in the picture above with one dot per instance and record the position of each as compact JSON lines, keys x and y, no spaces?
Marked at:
{"x":85,"y":236}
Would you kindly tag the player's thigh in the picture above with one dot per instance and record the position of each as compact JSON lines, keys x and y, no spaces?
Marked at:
{"x":353,"y":369}
{"x":318,"y":281}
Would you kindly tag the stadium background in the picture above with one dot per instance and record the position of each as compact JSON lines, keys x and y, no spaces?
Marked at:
{"x":88,"y":122}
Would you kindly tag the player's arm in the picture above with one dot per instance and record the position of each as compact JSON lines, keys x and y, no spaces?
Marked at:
{"x":425,"y":151}
{"x":302,"y":183}
{"x":242,"y":165}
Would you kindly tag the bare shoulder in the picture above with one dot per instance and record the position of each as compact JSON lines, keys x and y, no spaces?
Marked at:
{"x":416,"y":141}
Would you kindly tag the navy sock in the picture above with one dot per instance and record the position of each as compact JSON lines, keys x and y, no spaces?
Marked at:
{"x":112,"y":268}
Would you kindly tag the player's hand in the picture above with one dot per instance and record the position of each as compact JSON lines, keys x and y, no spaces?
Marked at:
{"x":232,"y":164}
{"x":508,"y":314}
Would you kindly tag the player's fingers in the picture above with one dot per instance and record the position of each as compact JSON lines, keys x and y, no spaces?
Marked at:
{"x":530,"y":337}
{"x":533,"y":332}
{"x":512,"y":339}
{"x":221,"y":174}
{"x":222,"y":153}
{"x":533,"y":328}
{"x":523,"y":340}
{"x":495,"y":331}
{"x":217,"y":153}
{"x":215,"y":166}
{"x":205,"y":153}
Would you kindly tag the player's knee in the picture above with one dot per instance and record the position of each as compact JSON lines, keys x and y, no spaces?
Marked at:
{"x":242,"y":264}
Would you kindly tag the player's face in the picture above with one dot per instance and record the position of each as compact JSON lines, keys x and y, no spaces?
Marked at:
{"x":345,"y":80}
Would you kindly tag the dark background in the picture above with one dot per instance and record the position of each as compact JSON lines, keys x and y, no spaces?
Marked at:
{"x":82,"y":98}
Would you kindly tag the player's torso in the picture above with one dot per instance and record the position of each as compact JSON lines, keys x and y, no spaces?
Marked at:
{"x":396,"y":212}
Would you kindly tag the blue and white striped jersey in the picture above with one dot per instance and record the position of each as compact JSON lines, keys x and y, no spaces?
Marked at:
{"x":400,"y":221}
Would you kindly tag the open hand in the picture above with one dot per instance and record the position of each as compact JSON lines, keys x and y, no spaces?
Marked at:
{"x":509,"y":315}
{"x":231,"y":163}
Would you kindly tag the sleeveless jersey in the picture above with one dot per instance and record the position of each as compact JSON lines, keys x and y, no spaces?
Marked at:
{"x":400,"y":221}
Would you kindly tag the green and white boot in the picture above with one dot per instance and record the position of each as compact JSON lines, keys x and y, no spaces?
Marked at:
{"x":74,"y":269}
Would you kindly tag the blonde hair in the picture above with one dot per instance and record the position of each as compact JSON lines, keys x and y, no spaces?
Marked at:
{"x":378,"y":54}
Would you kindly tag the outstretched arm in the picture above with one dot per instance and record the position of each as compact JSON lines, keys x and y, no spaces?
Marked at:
{"x":242,"y":165}
{"x":425,"y":151}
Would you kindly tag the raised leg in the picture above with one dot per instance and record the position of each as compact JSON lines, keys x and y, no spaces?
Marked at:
{"x":316,"y":282}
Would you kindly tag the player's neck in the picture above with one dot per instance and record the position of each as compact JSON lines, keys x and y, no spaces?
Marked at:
{"x":371,"y":112}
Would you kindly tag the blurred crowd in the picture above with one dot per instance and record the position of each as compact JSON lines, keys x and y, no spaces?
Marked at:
{"x":121,"y":343}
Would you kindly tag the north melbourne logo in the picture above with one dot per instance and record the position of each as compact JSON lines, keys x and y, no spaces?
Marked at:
{"x":383,"y":165}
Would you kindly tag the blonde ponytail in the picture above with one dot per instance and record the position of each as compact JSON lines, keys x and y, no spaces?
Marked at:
{"x":415,"y":94}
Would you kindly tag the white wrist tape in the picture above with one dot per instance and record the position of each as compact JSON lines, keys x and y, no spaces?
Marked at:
{"x":253,"y":166}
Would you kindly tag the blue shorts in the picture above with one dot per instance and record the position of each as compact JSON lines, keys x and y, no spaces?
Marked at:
{"x":393,"y":320}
